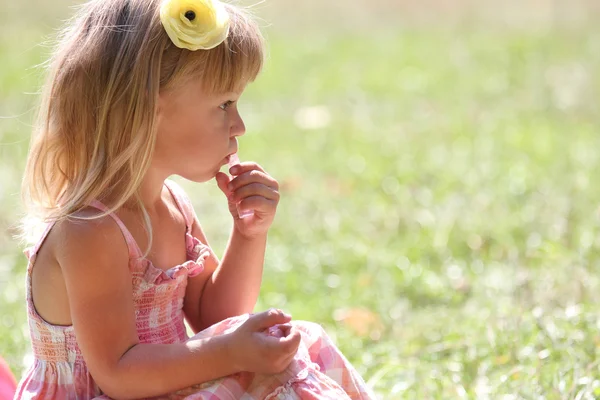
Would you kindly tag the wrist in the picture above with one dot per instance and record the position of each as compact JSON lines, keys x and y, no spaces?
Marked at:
{"x":231,"y":352}
{"x":257,"y":237}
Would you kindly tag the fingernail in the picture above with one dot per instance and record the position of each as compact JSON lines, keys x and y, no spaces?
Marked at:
{"x":234,"y":170}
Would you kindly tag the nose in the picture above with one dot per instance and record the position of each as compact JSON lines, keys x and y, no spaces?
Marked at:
{"x":237,"y":126}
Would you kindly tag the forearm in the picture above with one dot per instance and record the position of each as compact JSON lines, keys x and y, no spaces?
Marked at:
{"x":148,"y":370}
{"x":234,"y":287}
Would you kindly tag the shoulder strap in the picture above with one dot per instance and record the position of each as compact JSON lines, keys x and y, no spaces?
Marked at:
{"x":31,"y":251}
{"x":132,"y":246}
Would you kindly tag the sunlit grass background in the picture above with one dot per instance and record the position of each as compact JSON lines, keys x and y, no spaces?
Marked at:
{"x":440,"y":207}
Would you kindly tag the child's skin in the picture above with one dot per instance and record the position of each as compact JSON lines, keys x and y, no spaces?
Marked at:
{"x":81,"y":275}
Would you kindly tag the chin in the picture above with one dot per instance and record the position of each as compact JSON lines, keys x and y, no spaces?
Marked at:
{"x":198,"y":178}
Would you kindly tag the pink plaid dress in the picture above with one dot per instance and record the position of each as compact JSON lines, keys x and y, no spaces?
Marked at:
{"x":319,"y":370}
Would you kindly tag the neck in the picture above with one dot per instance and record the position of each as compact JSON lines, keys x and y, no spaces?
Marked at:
{"x":151,"y":190}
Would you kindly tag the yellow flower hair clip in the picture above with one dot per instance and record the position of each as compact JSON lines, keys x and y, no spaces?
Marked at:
{"x":195,"y":24}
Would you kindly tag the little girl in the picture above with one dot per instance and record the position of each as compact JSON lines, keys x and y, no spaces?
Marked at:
{"x":141,"y":90}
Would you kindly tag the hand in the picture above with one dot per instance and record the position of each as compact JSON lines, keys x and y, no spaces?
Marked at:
{"x":254,"y":349}
{"x":253,"y":189}
{"x":279,"y":331}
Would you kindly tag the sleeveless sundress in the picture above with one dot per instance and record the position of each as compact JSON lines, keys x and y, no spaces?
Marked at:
{"x":319,"y":371}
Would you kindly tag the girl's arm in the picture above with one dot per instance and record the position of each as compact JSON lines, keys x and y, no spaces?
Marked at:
{"x":227,"y":288}
{"x":94,"y":261}
{"x":231,"y":287}
{"x":234,"y":287}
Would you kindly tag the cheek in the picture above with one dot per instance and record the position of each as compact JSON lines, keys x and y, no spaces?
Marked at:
{"x":182,"y":133}
{"x":207,"y":142}
{"x":172,"y":139}
{"x":193,"y":134}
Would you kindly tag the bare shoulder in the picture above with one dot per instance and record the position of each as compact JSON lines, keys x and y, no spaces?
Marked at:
{"x":90,"y":241}
{"x":78,"y":259}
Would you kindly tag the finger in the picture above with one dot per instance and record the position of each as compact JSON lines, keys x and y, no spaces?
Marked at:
{"x":244,"y":167}
{"x":253,"y":176}
{"x":280,"y":330}
{"x":285,"y":329}
{"x":293,"y":336}
{"x":261,"y":321}
{"x":222,"y":181}
{"x":292,"y":341}
{"x":258,"y":204}
{"x":275,"y":344}
{"x":254,"y":189}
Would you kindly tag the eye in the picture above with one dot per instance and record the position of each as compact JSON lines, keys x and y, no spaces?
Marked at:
{"x":226,"y":105}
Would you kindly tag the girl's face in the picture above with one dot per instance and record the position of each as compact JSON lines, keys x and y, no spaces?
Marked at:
{"x":196,"y":132}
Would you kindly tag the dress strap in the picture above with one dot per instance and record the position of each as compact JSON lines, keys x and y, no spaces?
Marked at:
{"x":132,"y":246}
{"x":183,"y":203}
{"x":33,"y":250}
{"x":134,"y":250}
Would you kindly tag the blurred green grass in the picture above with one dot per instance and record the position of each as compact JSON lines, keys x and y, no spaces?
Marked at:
{"x":439,"y":213}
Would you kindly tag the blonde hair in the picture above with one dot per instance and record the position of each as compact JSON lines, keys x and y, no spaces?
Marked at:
{"x":96,"y":127}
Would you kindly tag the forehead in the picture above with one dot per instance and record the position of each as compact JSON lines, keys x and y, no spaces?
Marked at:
{"x":207,"y":86}
{"x":194,"y":88}
{"x":236,"y":90}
